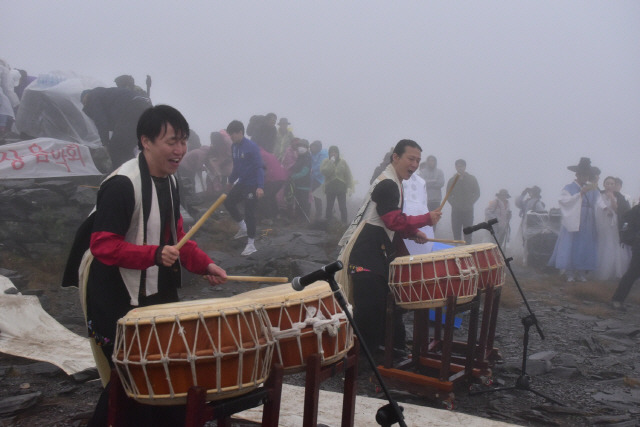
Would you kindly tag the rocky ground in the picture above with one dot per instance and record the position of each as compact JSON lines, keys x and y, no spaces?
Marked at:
{"x":589,"y":359}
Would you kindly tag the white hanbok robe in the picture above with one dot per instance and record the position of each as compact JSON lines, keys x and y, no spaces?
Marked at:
{"x":613,"y":259}
{"x":415,"y":203}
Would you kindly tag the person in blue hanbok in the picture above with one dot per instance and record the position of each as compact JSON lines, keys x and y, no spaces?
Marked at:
{"x":575,"y":253}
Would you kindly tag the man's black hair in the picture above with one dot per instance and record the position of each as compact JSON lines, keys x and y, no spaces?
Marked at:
{"x":153,"y":123}
{"x":401,"y":147}
{"x":235,"y":127}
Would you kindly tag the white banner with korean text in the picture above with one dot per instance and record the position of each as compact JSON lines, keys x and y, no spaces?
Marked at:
{"x":45,"y":157}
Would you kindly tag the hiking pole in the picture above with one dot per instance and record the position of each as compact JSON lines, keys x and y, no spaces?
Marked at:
{"x":303,"y":212}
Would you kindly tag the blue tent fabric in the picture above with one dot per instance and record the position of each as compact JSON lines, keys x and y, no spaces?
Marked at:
{"x":437,"y":246}
{"x":457,"y":321}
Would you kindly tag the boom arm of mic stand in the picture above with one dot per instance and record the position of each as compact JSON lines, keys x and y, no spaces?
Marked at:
{"x":343,"y":304}
{"x":507,"y":261}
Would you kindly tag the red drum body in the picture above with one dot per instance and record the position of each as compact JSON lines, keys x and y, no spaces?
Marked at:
{"x":304,"y":323}
{"x":425,"y":281}
{"x":489,"y":262}
{"x":223,"y":345}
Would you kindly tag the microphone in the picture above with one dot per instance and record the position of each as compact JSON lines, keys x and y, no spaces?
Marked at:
{"x":299,"y":283}
{"x":481,"y":226}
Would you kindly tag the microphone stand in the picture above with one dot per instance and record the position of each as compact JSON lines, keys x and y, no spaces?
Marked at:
{"x":390,"y":413}
{"x":523,"y":382}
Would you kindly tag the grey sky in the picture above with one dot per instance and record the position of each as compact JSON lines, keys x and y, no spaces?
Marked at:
{"x":519,"y":89}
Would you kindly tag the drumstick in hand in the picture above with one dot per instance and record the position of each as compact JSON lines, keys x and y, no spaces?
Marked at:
{"x":258,"y":279}
{"x":201,"y":221}
{"x":461,"y":242}
{"x":449,"y":192}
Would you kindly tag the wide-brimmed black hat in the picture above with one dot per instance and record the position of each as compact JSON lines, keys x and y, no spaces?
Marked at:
{"x":584,"y":166}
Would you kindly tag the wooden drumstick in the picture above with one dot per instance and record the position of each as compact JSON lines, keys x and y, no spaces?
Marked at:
{"x":258,"y":279}
{"x":449,"y":192}
{"x":201,"y":221}
{"x":461,"y":242}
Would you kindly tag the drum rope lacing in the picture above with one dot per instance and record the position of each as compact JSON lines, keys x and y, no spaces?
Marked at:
{"x":311,"y":315}
{"x":431,"y":287}
{"x":489,"y":262}
{"x":254,"y":323}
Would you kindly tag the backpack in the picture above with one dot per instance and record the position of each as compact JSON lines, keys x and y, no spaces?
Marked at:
{"x":629,"y":227}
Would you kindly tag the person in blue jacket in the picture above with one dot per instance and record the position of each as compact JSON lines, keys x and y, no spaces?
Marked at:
{"x":247,"y":178}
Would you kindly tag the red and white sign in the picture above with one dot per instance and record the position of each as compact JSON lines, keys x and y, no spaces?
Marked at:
{"x":45,"y":157}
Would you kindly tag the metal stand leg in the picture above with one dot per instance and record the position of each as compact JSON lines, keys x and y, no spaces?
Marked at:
{"x":524,"y":381}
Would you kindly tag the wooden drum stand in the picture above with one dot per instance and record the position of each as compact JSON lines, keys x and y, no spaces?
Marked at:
{"x":432,"y":369}
{"x":444,"y":279}
{"x":198,"y":411}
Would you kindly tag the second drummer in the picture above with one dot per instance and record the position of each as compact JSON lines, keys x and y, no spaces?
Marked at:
{"x":374,"y":239}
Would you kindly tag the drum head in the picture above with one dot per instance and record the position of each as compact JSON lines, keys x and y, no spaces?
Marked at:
{"x":285,"y":294}
{"x":430,"y":257}
{"x":477,"y":247}
{"x":186,"y":310}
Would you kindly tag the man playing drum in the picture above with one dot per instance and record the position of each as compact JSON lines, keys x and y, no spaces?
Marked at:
{"x":374,"y":239}
{"x":136,"y":226}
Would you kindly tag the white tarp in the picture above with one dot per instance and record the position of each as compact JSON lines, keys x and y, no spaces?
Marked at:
{"x":51,"y":108}
{"x":415,"y":203}
{"x":45,"y":157}
{"x":26,"y":330}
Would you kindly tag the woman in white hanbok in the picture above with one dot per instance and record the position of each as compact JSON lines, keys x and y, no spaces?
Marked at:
{"x":613,"y":259}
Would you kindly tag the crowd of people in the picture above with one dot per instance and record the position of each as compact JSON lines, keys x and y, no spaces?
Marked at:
{"x":293,"y":176}
{"x":296,"y":178}
{"x":593,"y":214}
{"x":589,"y":245}
{"x":268,"y":174}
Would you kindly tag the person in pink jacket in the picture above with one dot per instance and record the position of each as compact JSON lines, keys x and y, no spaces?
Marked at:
{"x":275,"y":176}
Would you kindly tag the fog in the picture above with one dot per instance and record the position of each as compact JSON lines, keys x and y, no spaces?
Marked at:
{"x":520,"y":90}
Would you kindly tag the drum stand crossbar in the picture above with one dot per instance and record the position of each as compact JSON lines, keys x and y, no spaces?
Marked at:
{"x":523,"y":381}
{"x":433,"y":369}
